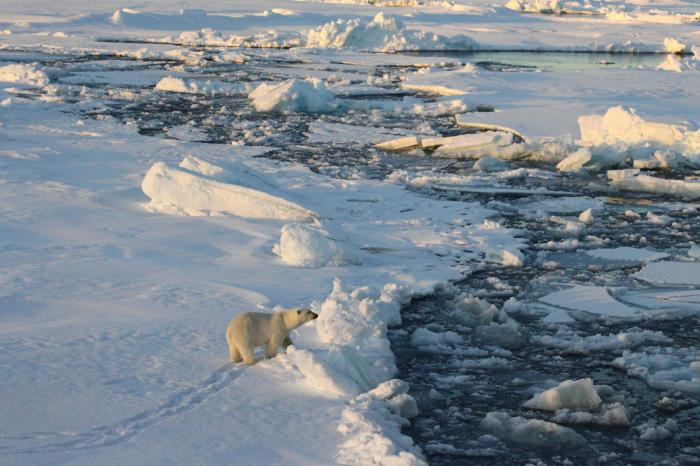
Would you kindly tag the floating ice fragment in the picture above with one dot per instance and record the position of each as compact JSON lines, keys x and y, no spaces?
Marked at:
{"x":531,"y":432}
{"x":571,"y":394}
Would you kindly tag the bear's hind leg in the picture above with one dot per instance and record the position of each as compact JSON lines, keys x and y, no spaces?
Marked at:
{"x":235,"y":355}
{"x":248,"y":355}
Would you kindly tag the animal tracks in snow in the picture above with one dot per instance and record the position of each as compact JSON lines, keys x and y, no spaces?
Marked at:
{"x":180,"y":402}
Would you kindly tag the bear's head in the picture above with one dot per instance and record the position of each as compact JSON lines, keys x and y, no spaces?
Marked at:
{"x":296,"y":317}
{"x":306,"y":315}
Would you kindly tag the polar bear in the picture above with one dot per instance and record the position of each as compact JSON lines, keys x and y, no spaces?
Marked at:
{"x":251,"y":329}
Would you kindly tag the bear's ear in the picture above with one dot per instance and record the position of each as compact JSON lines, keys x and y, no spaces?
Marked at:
{"x":299,"y":311}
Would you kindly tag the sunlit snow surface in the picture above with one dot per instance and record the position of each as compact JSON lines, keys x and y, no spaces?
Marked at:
{"x":609,"y":294}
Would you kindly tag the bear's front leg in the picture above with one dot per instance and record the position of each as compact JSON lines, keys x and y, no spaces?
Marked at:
{"x":287,"y":342}
{"x":272,"y":346}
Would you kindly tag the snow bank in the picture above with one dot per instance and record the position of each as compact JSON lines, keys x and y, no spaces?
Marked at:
{"x":570,"y":394}
{"x":194,"y":86}
{"x":29,"y":74}
{"x":632,"y":180}
{"x":381,"y":34}
{"x":175,"y":190}
{"x":303,"y":245}
{"x":293,"y":95}
{"x":372,"y":427}
{"x":355,"y":325}
{"x":530,"y":432}
{"x":664,"y":368}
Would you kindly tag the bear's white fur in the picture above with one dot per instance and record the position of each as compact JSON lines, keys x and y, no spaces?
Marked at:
{"x":251,"y":329}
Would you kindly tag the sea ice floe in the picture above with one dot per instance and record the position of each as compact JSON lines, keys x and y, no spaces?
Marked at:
{"x":670,"y":273}
{"x":626,"y":254}
{"x":590,"y":299}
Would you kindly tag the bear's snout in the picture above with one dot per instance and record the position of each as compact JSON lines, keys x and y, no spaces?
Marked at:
{"x":313,"y":315}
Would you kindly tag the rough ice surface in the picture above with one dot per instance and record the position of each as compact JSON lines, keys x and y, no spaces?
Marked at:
{"x":24,"y":74}
{"x":381,"y":34}
{"x":614,"y":415}
{"x":565,"y":339}
{"x":664,"y":368}
{"x":624,"y":127}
